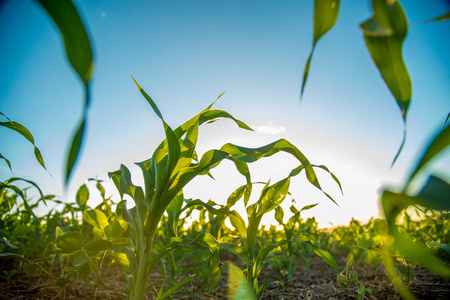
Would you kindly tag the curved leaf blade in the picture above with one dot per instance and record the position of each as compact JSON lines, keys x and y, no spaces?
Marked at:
{"x":325,"y":16}
{"x":325,"y":255}
{"x":79,"y":53}
{"x":96,"y":218}
{"x":76,"y":40}
{"x":74,"y":150}
{"x":253,"y":154}
{"x":385,"y":48}
{"x":437,"y":145}
{"x":22,"y":130}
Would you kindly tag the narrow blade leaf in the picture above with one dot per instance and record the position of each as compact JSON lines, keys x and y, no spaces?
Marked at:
{"x":385,"y":47}
{"x":325,"y":16}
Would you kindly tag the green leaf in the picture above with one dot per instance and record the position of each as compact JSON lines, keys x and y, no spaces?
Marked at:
{"x":119,"y":240}
{"x":172,"y":211}
{"x":187,"y":148}
{"x":59,"y":232}
{"x":434,"y":195}
{"x":213,"y":115}
{"x":419,"y":253}
{"x":332,"y":176}
{"x":7,"y":161}
{"x":364,"y":242}
{"x":98,"y":245}
{"x":241,"y":252}
{"x":385,"y":47}
{"x":307,"y":207}
{"x":235,"y":218}
{"x":209,"y":160}
{"x":22,"y":130}
{"x":69,"y":242}
{"x":262,"y":254}
{"x":443,"y":17}
{"x":79,"y":53}
{"x":8,"y":243}
{"x":82,"y":196}
{"x":21,"y":231}
{"x":74,"y":150}
{"x":379,"y":24}
{"x":41,"y":194}
{"x":438,"y":144}
{"x":279,"y":215}
{"x":236,"y":195}
{"x":253,"y":154}
{"x":238,"y":287}
{"x":122,"y":259}
{"x":96,"y":218}
{"x":273,"y":196}
{"x":78,"y":258}
{"x":325,"y":16}
{"x":132,"y":261}
{"x":62,"y":281}
{"x":177,"y":287}
{"x":149,"y":100}
{"x":14,"y":255}
{"x":320,"y":252}
{"x":6,"y":185}
{"x":373,"y":257}
{"x":76,"y":40}
{"x":118,"y":227}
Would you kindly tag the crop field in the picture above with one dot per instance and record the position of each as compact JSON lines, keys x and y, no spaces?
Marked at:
{"x":148,"y":251}
{"x":149,"y":240}
{"x":64,"y":256}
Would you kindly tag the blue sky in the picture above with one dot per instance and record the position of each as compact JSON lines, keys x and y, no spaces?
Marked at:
{"x":184,"y":54}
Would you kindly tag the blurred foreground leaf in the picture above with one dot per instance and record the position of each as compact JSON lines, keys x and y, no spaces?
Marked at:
{"x":325,"y":16}
{"x":384,"y":34}
{"x":79,"y":53}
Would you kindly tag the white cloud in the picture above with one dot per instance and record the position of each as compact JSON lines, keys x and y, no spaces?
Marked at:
{"x":103,"y":14}
{"x":270,"y":128}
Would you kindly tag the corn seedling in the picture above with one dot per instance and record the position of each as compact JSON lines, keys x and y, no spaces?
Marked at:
{"x":250,"y":252}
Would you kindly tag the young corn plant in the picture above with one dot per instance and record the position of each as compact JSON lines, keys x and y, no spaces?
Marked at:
{"x":250,"y":252}
{"x":83,"y":254}
{"x":172,"y":166}
{"x":289,"y":231}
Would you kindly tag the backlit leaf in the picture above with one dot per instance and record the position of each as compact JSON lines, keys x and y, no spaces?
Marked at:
{"x":74,"y":150}
{"x":438,"y":144}
{"x":118,"y":227}
{"x":96,"y":218}
{"x":325,"y":16}
{"x":82,"y":195}
{"x":373,"y":257}
{"x":79,"y":53}
{"x":385,"y":47}
{"x":320,"y":252}
{"x":69,"y":242}
{"x":252,"y":154}
{"x":421,"y":254}
{"x":279,"y":215}
{"x":22,"y":130}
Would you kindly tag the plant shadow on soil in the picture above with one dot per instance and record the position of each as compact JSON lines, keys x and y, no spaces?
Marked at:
{"x":317,"y":282}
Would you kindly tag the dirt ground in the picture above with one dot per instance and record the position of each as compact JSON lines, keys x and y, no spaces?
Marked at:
{"x":318,"y":282}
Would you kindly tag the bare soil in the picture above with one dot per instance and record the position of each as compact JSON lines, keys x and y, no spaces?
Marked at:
{"x":317,"y":282}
